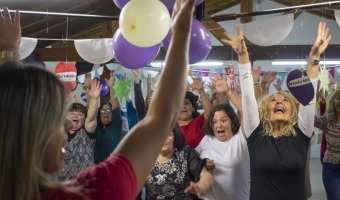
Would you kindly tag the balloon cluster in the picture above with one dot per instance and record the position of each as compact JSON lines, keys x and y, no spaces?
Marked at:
{"x":137,"y":42}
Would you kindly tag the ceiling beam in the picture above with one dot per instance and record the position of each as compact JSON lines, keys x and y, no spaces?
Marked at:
{"x":217,"y":53}
{"x":327,"y":14}
{"x":214,"y":6}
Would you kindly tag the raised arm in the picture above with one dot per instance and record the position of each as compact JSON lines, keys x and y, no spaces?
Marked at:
{"x":10,"y":36}
{"x":142,"y":144}
{"x":256,"y":78}
{"x":113,"y":100}
{"x":267,"y":79}
{"x":139,"y":99}
{"x":250,"y":111}
{"x":307,"y":113}
{"x":197,"y":85}
{"x":91,"y":120}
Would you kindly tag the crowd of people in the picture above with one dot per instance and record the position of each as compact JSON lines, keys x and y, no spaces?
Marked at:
{"x":248,"y":144}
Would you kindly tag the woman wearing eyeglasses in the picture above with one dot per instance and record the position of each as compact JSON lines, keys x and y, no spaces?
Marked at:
{"x":109,"y":128}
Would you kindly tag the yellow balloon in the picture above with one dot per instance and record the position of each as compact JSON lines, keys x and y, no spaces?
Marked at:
{"x":144,"y":23}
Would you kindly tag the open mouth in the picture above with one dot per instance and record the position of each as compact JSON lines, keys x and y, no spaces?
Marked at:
{"x":221,"y":131}
{"x":279,"y":110}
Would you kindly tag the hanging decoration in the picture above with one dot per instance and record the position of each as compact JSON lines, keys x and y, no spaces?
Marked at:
{"x":68,"y":74}
{"x":300,"y":86}
{"x":95,"y":51}
{"x":270,"y":31}
{"x":122,"y":88}
{"x":324,"y":79}
{"x":332,"y":71}
{"x":27,"y":46}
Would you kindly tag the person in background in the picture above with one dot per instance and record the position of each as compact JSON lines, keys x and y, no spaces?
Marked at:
{"x":189,"y":119}
{"x":278,"y":131}
{"x":225,"y":148}
{"x":178,"y":172}
{"x":81,"y":136}
{"x":141,"y":105}
{"x":33,"y":124}
{"x":330,"y":125}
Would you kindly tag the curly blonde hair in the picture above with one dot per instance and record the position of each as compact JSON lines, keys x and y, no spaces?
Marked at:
{"x":331,"y":112}
{"x":264,"y":118}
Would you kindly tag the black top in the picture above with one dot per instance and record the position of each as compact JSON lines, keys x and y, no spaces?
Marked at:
{"x":139,"y":101}
{"x":277,"y":166}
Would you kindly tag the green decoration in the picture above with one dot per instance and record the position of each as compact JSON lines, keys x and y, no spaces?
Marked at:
{"x":324,"y":79}
{"x":142,"y":77}
{"x":130,"y":81}
{"x":122,"y":88}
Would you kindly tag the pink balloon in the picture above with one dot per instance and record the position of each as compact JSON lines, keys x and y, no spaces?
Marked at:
{"x":200,"y":42}
{"x":120,"y":3}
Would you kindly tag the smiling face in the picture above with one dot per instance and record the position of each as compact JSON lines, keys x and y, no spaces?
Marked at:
{"x":105,"y":114}
{"x":186,"y":111}
{"x":279,"y":108}
{"x":168,"y":146}
{"x":77,"y":118}
{"x":222,"y":126}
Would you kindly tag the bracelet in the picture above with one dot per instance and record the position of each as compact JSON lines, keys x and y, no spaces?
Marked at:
{"x":9,"y":55}
{"x":256,"y":82}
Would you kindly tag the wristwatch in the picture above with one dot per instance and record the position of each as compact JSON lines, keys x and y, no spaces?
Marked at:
{"x":313,"y":61}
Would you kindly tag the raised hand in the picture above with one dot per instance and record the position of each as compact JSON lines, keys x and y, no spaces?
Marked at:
{"x":149,"y":80}
{"x":268,"y":78}
{"x":110,"y":81}
{"x":277,"y":85}
{"x":256,"y":73}
{"x":197,"y":84}
{"x":220,"y":83}
{"x":10,"y":31}
{"x":321,"y":41}
{"x":182,"y":16}
{"x":136,"y":75}
{"x":236,"y":42}
{"x":96,"y":87}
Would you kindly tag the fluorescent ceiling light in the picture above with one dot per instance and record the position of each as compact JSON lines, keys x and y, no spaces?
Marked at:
{"x":304,"y":63}
{"x":204,"y":63}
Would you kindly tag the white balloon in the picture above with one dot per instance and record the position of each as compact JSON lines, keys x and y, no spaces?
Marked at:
{"x":144,"y":23}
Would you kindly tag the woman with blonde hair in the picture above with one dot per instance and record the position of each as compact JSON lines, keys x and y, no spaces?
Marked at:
{"x":278,"y":132}
{"x":33,"y":116}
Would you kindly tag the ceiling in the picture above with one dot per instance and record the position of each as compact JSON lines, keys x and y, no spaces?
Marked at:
{"x":72,"y":28}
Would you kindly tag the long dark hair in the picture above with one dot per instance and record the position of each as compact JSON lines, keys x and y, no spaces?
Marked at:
{"x":235,"y":123}
{"x":179,"y":139}
{"x":193,"y":100}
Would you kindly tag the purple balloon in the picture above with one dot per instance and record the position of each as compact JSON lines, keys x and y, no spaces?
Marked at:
{"x":200,"y":42}
{"x":170,"y":3}
{"x":105,"y":88}
{"x":131,"y":56}
{"x":39,"y":63}
{"x":120,"y":3}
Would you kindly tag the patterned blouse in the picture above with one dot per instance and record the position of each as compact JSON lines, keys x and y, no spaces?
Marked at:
{"x":169,"y":179}
{"x":79,"y":150}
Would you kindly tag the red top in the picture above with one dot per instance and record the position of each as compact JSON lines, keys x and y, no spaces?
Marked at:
{"x":112,"y":179}
{"x":193,"y":131}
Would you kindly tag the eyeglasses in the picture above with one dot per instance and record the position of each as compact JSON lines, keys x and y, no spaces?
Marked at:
{"x":105,"y":111}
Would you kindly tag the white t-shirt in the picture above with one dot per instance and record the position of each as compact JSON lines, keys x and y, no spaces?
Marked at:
{"x":232,"y":168}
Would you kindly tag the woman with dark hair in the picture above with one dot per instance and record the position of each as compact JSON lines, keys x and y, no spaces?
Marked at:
{"x":225,"y":148}
{"x":173,"y":176}
{"x":189,"y":119}
{"x":81,"y":136}
{"x":330,"y":124}
{"x":109,"y":130}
